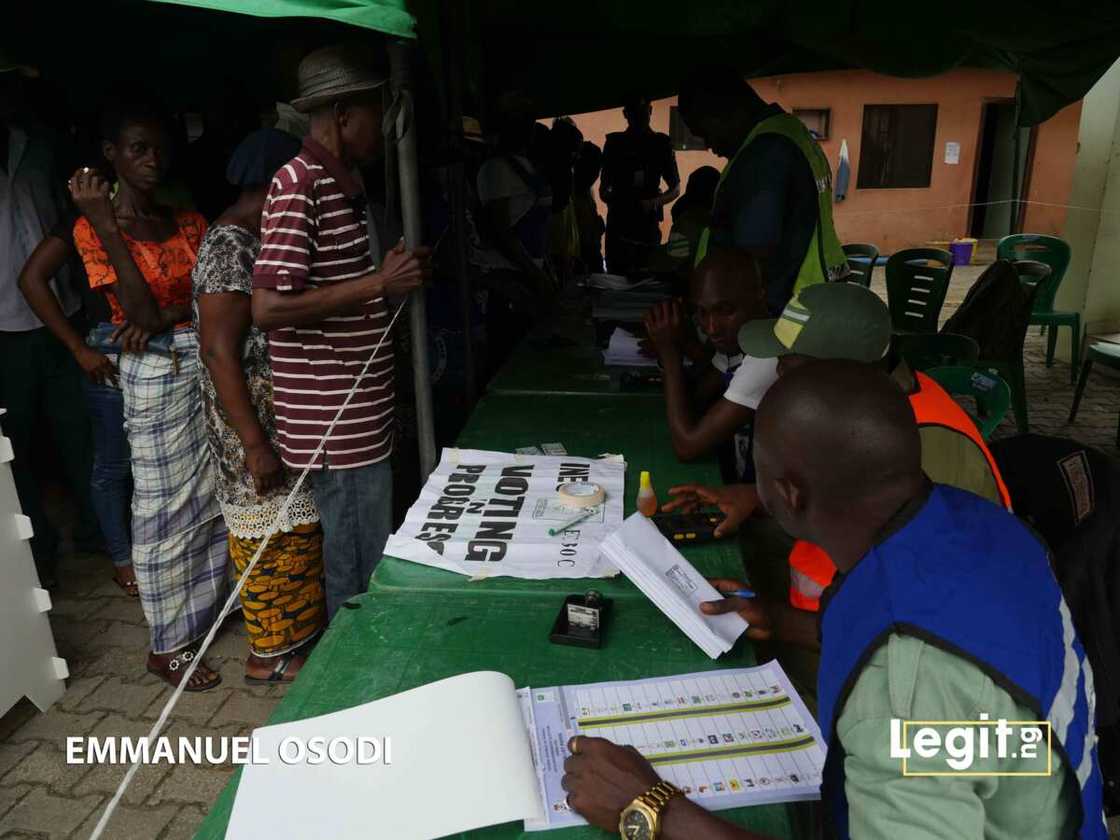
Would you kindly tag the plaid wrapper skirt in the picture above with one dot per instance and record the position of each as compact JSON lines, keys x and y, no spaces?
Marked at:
{"x":179,"y":547}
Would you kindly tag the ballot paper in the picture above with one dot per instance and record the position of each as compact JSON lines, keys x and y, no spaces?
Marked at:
{"x":488,"y":514}
{"x":461,"y":760}
{"x":728,"y":738}
{"x":623,"y":351}
{"x":472,"y":751}
{"x":651,"y":562}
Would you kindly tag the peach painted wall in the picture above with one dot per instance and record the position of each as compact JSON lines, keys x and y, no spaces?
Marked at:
{"x":898,"y":218}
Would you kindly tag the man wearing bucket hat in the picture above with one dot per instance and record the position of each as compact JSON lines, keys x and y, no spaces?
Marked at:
{"x":324,"y":305}
{"x":848,"y":321}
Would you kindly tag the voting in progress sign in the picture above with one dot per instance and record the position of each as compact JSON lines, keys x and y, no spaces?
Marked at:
{"x":487,"y":514}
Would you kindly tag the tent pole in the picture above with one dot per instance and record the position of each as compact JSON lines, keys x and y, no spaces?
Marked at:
{"x":400,"y":57}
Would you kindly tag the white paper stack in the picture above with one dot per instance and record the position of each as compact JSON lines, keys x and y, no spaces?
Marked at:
{"x":624,"y":351}
{"x":640,"y":551}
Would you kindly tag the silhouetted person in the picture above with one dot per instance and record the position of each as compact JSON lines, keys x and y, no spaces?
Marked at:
{"x":635,"y":164}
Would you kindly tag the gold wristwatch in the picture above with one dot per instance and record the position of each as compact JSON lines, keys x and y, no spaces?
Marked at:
{"x":641,"y":819}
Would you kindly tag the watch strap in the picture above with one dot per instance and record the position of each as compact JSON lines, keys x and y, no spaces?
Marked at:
{"x":658,"y":796}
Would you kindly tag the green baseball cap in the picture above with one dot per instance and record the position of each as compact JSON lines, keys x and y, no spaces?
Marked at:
{"x":826,"y":321}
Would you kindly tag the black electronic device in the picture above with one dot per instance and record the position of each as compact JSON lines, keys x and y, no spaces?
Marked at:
{"x":582,"y":620}
{"x":688,"y":528}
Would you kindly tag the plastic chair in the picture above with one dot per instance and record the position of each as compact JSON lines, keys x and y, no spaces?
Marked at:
{"x":1107,"y":354}
{"x":861,"y":263}
{"x":922,"y":351}
{"x":1054,"y":252}
{"x":917,"y":281}
{"x":991,"y":393}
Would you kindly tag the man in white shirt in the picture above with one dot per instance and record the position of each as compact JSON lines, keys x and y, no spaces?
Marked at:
{"x":40,"y":383}
{"x":726,"y":292}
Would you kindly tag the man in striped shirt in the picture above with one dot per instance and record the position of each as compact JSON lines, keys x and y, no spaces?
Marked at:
{"x":317,"y":293}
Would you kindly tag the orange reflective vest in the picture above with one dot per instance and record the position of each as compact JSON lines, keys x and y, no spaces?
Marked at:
{"x":811,"y":569}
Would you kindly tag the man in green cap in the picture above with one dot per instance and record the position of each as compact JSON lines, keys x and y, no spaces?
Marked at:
{"x":848,"y":321}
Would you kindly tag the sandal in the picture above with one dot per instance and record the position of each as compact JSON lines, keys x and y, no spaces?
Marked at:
{"x":171,"y":672}
{"x":131,"y":587}
{"x":279,"y":673}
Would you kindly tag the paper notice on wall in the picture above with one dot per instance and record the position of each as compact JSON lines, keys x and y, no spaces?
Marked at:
{"x":488,"y":514}
{"x":952,"y":153}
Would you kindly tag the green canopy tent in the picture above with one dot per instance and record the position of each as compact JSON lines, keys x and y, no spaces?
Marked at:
{"x":573,"y":57}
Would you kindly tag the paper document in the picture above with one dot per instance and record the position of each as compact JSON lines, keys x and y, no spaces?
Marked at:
{"x":460,"y":760}
{"x":651,"y":562}
{"x":623,"y":351}
{"x":487,"y":514}
{"x":727,"y":738}
{"x":472,"y":751}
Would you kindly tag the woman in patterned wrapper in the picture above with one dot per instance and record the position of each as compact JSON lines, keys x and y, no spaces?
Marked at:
{"x":282,"y":601}
{"x":139,"y":253}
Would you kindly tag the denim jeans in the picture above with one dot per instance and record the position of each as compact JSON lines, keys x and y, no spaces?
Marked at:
{"x":111,"y":479}
{"x":41,"y":390}
{"x":355,"y":510}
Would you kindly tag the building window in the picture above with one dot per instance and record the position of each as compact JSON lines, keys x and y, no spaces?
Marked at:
{"x":816,"y":120}
{"x":682,"y":139}
{"x":896,"y":149}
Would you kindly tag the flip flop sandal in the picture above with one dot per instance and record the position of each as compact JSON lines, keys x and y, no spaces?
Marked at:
{"x":131,"y":589}
{"x":277,"y":674}
{"x":183,"y":661}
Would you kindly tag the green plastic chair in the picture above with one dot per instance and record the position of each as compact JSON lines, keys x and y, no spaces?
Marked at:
{"x":917,"y":281}
{"x":991,"y":393}
{"x":1054,"y":252}
{"x":861,"y":263}
{"x":1108,"y":354}
{"x":922,"y":351}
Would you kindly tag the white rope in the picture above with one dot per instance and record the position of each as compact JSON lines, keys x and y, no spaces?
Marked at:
{"x":227,"y":608}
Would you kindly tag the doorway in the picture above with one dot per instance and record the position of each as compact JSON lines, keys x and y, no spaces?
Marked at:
{"x":995,"y":163}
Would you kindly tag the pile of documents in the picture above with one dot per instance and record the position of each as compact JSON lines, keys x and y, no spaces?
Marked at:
{"x":623,"y":351}
{"x":628,"y":306}
{"x":651,"y":562}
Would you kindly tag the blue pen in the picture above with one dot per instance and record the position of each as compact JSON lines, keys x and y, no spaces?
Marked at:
{"x":740,"y":593}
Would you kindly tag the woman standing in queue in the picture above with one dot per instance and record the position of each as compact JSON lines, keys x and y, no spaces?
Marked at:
{"x":282,"y":601}
{"x":140,"y":255}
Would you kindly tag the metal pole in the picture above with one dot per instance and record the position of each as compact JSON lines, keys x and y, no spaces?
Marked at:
{"x":400,"y":56}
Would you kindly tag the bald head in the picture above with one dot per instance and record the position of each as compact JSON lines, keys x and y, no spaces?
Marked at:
{"x":835,"y":441}
{"x":727,"y":291}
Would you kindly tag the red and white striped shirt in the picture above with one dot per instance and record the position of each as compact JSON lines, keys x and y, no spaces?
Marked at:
{"x":313,"y":233}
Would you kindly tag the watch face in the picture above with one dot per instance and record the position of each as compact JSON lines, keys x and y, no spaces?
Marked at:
{"x":636,"y":826}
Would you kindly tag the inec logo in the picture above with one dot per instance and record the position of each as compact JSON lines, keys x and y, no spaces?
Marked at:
{"x":981,"y":747}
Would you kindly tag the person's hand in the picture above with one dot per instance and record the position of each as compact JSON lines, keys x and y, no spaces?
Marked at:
{"x":602,"y":778}
{"x":759,"y":614}
{"x":97,"y":367}
{"x":736,"y":501}
{"x":133,"y":339}
{"x":265,"y":467}
{"x":664,"y":324}
{"x":403,"y":271}
{"x":90,"y":193}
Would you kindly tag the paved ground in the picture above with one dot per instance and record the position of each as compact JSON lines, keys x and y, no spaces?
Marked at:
{"x":101,"y":634}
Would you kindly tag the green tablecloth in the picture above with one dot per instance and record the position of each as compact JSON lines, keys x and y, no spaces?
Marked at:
{"x":589,"y":426}
{"x":393,"y":642}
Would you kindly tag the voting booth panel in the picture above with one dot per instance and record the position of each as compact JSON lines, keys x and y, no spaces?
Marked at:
{"x":28,"y":658}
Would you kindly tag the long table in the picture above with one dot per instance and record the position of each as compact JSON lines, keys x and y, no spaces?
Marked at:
{"x":391,"y":642}
{"x":576,"y":371}
{"x":419,"y":624}
{"x":587,"y":425}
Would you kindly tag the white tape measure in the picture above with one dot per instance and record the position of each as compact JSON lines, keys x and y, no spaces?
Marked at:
{"x":581,"y":494}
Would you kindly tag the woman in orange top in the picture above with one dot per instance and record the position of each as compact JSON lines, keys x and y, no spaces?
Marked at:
{"x":140,"y":255}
